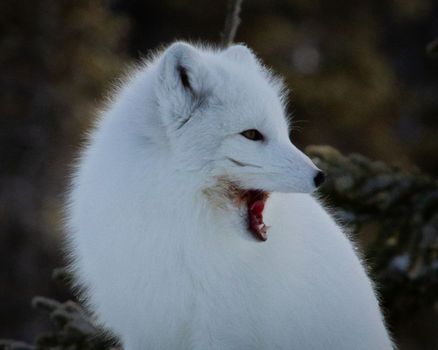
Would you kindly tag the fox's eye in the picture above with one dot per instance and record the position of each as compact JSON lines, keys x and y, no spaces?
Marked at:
{"x":253,"y":135}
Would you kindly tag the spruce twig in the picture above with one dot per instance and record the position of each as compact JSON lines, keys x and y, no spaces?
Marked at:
{"x":6,"y":344}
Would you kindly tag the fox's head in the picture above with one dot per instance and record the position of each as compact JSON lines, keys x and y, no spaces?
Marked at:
{"x":224,"y":112}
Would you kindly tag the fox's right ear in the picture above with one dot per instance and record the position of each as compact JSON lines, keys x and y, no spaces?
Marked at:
{"x":241,"y":53}
{"x":183,"y":81}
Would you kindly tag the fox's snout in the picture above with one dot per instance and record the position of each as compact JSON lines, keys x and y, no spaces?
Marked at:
{"x":304,"y":176}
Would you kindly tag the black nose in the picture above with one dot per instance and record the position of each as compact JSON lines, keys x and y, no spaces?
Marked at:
{"x":319,"y":178}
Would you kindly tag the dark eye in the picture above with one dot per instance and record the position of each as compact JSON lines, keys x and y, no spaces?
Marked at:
{"x":253,"y":135}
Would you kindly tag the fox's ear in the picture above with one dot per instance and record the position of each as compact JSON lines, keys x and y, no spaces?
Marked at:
{"x":184,"y":83}
{"x":182,"y":70}
{"x":240,"y":53}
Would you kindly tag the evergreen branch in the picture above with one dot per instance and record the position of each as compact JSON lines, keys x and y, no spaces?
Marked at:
{"x":401,"y":208}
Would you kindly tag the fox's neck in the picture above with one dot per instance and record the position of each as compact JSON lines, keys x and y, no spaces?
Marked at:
{"x":194,"y":208}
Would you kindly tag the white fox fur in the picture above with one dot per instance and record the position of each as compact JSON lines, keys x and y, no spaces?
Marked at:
{"x":162,"y":251}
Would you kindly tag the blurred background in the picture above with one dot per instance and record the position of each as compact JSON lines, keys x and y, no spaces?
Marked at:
{"x":361,"y":80}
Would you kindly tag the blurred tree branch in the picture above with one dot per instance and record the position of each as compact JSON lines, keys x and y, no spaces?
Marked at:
{"x":232,"y":21}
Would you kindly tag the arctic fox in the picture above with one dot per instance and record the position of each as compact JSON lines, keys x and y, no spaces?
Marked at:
{"x":191,"y":224}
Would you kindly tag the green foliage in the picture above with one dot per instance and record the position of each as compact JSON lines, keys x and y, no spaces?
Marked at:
{"x":72,"y":329}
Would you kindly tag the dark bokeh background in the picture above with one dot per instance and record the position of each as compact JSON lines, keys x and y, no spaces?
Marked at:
{"x":360,"y":76}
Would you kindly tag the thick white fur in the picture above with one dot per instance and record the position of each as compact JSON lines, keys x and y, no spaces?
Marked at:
{"x":164,"y":256}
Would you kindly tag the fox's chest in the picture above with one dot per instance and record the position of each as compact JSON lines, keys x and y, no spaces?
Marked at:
{"x":203,"y":277}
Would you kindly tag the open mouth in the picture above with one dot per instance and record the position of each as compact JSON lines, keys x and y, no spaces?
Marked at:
{"x":255,"y":201}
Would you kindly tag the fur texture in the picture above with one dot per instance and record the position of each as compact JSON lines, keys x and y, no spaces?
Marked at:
{"x":159,"y":243}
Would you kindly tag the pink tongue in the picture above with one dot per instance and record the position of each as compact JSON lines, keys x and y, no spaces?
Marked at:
{"x":256,"y":224}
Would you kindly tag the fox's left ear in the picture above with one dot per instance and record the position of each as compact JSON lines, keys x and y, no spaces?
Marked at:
{"x":183,"y":82}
